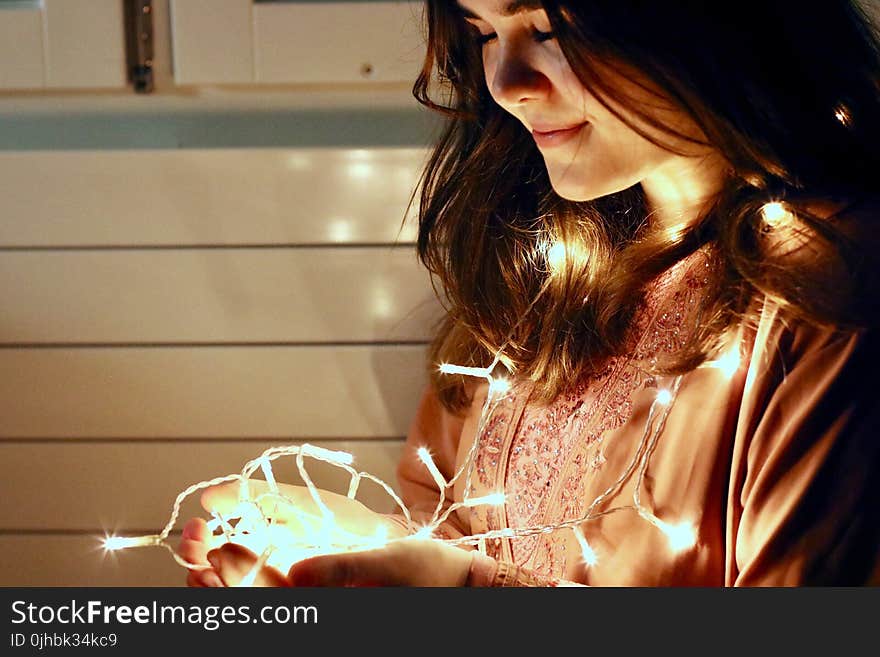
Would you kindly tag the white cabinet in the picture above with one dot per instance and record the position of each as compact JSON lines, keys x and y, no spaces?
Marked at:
{"x":21,"y":46}
{"x":62,"y":44}
{"x":248,"y":42}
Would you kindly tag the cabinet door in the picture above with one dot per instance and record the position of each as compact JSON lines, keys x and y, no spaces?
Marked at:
{"x":252,"y":42}
{"x":62,"y":44}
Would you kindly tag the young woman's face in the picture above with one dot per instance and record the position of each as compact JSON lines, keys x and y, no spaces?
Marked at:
{"x":588,"y":151}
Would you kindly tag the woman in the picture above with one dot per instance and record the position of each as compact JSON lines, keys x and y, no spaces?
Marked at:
{"x":658,"y":217}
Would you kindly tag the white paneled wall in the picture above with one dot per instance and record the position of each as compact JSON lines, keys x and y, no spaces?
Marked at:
{"x":167,"y":315}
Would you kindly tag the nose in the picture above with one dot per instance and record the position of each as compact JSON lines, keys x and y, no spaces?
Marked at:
{"x":514,"y":79}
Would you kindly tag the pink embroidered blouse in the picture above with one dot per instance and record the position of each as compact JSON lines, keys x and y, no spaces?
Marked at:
{"x":776,"y":465}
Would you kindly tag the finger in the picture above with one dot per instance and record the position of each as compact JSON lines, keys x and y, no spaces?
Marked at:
{"x":404,"y":563}
{"x":206,"y":578}
{"x":222,"y":498}
{"x":193,"y":551}
{"x":355,"y":569}
{"x":233,"y":562}
{"x":196,"y":529}
{"x":194,"y":543}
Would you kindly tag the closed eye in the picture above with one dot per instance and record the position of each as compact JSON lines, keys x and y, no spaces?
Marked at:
{"x":483,"y":39}
{"x":537,"y":35}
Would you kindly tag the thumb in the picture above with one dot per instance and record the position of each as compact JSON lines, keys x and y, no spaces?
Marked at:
{"x":348,"y":569}
{"x":233,"y":562}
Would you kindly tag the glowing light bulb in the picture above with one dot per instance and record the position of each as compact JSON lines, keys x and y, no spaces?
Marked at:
{"x":424,"y":533}
{"x":449,"y":368}
{"x":425,"y":457}
{"x":729,"y":362}
{"x":589,"y":555}
{"x":681,"y":536}
{"x":340,"y":458}
{"x":112,"y":543}
{"x":841,"y":113}
{"x":663,"y":397}
{"x":266,"y":467}
{"x":499,"y":386}
{"x":556,"y":256}
{"x":493,"y":499}
{"x":774,"y":213}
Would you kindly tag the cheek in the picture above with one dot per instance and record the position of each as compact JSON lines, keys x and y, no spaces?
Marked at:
{"x":489,"y":68}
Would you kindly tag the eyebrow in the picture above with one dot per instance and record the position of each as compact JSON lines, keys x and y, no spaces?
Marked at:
{"x":511,"y":9}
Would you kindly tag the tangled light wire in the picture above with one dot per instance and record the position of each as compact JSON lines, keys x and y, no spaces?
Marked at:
{"x":308,"y":531}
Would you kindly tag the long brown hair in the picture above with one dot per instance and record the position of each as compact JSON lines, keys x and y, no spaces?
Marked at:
{"x":786,"y":91}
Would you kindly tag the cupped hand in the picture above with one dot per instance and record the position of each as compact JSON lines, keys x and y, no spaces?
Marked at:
{"x":292,"y":502}
{"x":348,"y":514}
{"x":194,"y":546}
{"x":408,"y":562}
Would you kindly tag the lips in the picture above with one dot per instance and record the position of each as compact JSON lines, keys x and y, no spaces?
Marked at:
{"x":547,"y":137}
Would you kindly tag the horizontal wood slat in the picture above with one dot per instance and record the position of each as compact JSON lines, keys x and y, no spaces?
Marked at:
{"x":213,"y":196}
{"x":213,"y":392}
{"x":119,"y":487}
{"x":228,"y":295}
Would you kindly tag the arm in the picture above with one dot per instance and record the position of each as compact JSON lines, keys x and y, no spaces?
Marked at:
{"x":439,"y":430}
{"x":806,"y":483}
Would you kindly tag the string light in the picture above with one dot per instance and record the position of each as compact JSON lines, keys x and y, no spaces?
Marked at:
{"x":304,"y":533}
{"x":121,"y":542}
{"x":559,"y":253}
{"x":775,"y":213}
{"x":729,"y":361}
{"x":308,"y":534}
{"x":681,"y":536}
{"x":425,"y":457}
{"x":493,"y":499}
{"x":842,"y":114}
{"x":556,"y":256}
{"x":587,"y":552}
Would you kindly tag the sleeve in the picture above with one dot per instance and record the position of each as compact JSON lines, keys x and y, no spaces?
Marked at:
{"x":806,"y":490}
{"x":486,"y":571}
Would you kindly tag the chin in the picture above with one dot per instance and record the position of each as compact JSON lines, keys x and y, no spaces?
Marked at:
{"x":572,"y":188}
{"x":578,"y":191}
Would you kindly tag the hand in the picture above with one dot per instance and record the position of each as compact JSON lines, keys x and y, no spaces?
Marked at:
{"x":194,"y":546}
{"x":410,"y":562}
{"x":350,"y":515}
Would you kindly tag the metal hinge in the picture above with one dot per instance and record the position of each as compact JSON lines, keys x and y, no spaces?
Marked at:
{"x":139,"y":44}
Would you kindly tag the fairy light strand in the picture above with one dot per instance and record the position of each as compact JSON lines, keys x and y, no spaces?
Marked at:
{"x":322,"y":535}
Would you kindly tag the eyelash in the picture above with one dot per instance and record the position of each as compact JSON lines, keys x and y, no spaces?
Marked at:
{"x":537,"y":35}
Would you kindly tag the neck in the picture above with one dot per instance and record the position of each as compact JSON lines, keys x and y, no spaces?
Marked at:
{"x":681,"y":190}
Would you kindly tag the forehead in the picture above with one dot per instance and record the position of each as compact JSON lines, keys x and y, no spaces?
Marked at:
{"x":485,"y":8}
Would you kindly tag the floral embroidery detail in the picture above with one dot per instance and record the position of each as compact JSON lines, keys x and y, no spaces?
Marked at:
{"x":554,"y":449}
{"x":490,"y":446}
